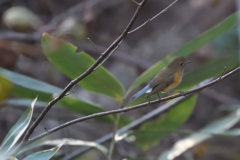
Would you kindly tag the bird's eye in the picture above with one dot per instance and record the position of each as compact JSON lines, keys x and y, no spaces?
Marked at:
{"x":181,"y":64}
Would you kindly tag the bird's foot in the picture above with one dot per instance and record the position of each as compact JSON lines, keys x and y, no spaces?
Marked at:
{"x":182,"y":93}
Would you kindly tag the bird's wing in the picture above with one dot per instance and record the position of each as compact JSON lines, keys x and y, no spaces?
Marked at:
{"x":162,"y":77}
{"x":159,"y":84}
{"x":163,"y":83}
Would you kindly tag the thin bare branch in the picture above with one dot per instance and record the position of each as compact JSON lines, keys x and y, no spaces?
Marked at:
{"x":132,"y":125}
{"x":46,"y":129}
{"x":138,"y":4}
{"x":222,"y":73}
{"x":82,"y":76}
{"x":94,"y":46}
{"x":134,"y":107}
{"x":71,"y":91}
{"x":119,"y":56}
{"x":149,"y":20}
{"x":107,"y":56}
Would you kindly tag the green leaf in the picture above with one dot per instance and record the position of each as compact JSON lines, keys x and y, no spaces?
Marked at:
{"x":151,"y":132}
{"x":5,"y":88}
{"x":218,"y":126}
{"x":29,"y":83}
{"x":63,"y":55}
{"x":17,"y":130}
{"x":27,"y":87}
{"x":44,"y":155}
{"x":227,"y":41}
{"x":187,"y":49}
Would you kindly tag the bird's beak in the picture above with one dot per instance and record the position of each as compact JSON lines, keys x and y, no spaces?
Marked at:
{"x":189,"y":62}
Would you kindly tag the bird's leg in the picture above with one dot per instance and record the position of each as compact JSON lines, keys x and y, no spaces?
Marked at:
{"x":158,"y":97}
{"x":149,"y":101}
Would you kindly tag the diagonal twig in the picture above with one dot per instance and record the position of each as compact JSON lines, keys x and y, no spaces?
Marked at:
{"x":134,"y":107}
{"x":119,"y":115}
{"x":138,"y":4}
{"x":126,"y":128}
{"x":71,"y":91}
{"x":82,"y":76}
{"x":220,"y":78}
{"x":94,"y":45}
{"x":149,"y":20}
{"x":111,"y":148}
{"x":108,"y":56}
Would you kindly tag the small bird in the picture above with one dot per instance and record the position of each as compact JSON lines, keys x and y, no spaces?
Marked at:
{"x":167,"y":79}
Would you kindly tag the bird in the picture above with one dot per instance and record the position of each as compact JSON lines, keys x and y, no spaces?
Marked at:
{"x":167,"y":79}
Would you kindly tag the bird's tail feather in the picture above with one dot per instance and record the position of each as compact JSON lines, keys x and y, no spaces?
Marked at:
{"x":140,"y":92}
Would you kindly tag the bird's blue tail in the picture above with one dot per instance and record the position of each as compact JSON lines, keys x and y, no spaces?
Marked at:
{"x":140,"y":92}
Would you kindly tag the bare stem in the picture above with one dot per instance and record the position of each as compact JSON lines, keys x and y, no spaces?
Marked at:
{"x":132,"y":125}
{"x":82,"y":76}
{"x":133,"y":107}
{"x":138,"y":4}
{"x":222,"y":73}
{"x":108,"y":56}
{"x":119,"y":115}
{"x":94,"y":46}
{"x":149,"y":20}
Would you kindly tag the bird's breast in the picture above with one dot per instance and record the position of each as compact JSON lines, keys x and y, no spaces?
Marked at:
{"x":177,"y":80}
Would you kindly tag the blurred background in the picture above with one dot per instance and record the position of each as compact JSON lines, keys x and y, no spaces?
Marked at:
{"x":24,"y":21}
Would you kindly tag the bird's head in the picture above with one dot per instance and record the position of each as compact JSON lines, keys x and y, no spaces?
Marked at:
{"x":178,"y":63}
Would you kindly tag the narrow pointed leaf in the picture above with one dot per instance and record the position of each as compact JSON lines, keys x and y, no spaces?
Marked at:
{"x":27,"y":87}
{"x":63,"y":55}
{"x":29,"y":83}
{"x":218,"y":126}
{"x":17,"y":130}
{"x":44,"y":155}
{"x":188,"y":48}
{"x":5,"y":88}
